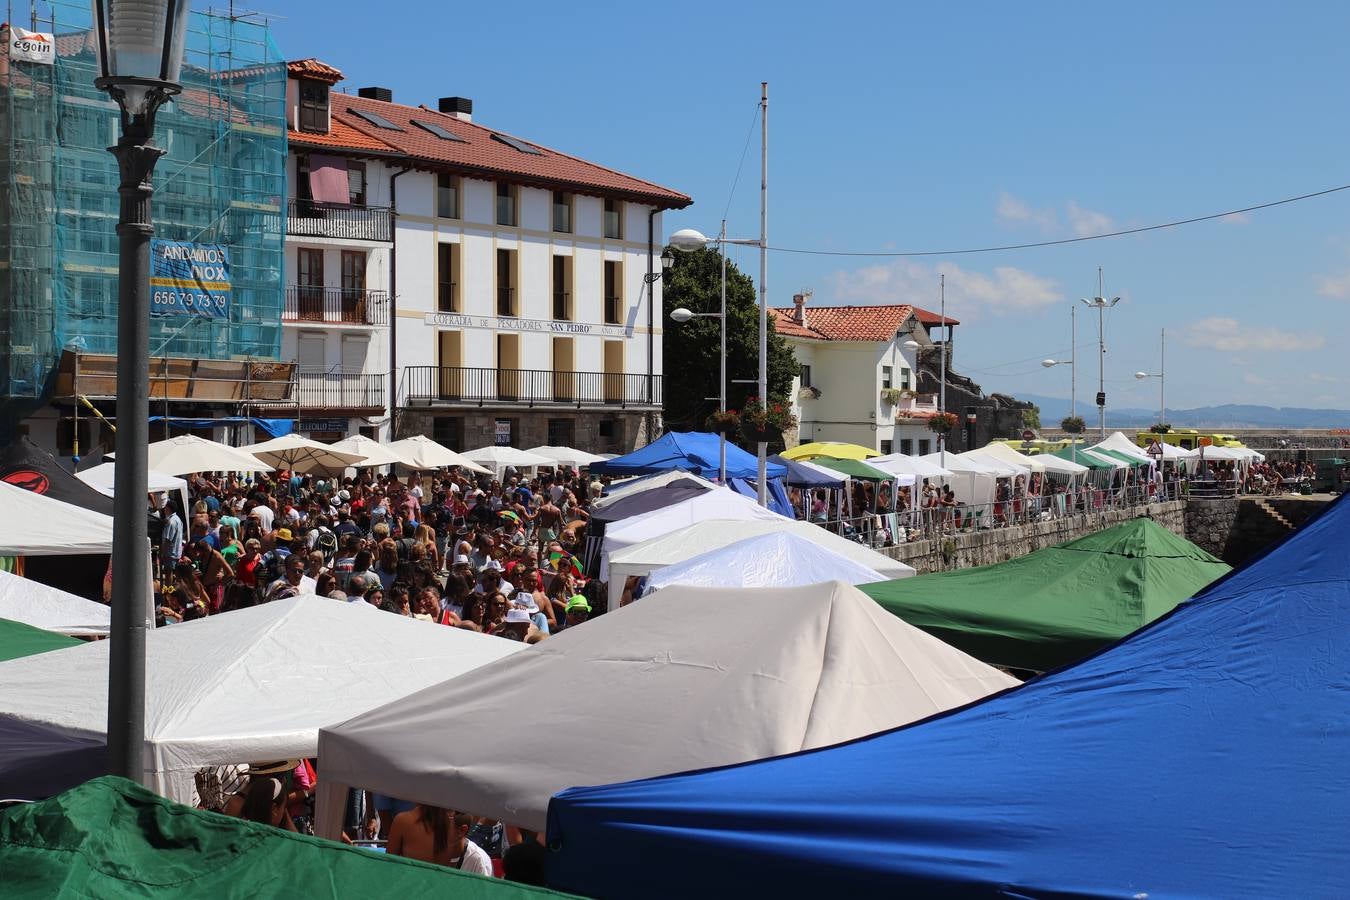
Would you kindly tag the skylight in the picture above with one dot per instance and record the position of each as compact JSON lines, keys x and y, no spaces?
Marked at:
{"x":519,"y":145}
{"x":375,"y":119}
{"x":442,"y":133}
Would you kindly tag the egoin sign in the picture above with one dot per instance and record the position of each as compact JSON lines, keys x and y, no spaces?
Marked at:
{"x":32,"y":46}
{"x":189,"y":279}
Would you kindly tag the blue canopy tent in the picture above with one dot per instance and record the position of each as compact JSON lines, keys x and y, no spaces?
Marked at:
{"x":777,"y":495}
{"x":1203,"y":755}
{"x":688,"y":451}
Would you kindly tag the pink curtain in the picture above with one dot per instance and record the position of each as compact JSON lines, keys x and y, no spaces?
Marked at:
{"x":328,"y":179}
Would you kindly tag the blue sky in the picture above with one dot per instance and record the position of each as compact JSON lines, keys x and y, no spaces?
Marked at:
{"x":933,"y":126}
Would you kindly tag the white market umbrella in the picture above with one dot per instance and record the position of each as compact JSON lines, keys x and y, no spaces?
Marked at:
{"x":188,"y":453}
{"x":33,"y":603}
{"x":421,"y":452}
{"x":245,"y":686}
{"x":567,"y":456}
{"x":302,"y":455}
{"x":498,"y":458}
{"x":652,"y":689}
{"x":375,"y":453}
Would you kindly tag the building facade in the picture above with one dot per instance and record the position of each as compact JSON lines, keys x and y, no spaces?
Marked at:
{"x":447,"y":279}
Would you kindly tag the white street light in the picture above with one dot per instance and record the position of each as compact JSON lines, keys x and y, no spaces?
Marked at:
{"x":689,"y":239}
{"x":681,"y":315}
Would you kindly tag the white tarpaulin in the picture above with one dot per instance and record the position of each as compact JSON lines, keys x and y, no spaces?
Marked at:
{"x":721,"y":503}
{"x":245,"y":686}
{"x":33,"y":603}
{"x":779,"y":559}
{"x":668,"y":549}
{"x":653,"y":689}
{"x":36,"y":525}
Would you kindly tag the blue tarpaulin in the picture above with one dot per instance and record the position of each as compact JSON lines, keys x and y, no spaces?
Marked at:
{"x":1202,"y":756}
{"x":778,"y":499}
{"x":688,"y":451}
{"x":275,"y":427}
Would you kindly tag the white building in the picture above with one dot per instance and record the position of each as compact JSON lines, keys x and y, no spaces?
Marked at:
{"x":857,"y":380}
{"x":451,"y":280}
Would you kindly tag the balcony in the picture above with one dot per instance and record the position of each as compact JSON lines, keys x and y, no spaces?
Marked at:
{"x":306,"y":218}
{"x":335,"y":306}
{"x":356,"y":392}
{"x":452,"y":385}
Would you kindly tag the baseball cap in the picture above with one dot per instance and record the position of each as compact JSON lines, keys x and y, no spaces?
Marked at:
{"x":284,"y":534}
{"x":578,"y":602}
{"x":517,"y":617}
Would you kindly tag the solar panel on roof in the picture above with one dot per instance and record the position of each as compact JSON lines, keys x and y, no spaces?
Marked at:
{"x":519,"y":145}
{"x":442,"y":133}
{"x":375,"y":119}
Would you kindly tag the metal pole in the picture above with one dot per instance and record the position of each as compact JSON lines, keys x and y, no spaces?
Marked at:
{"x":763,"y":487}
{"x":942,"y":372}
{"x":1100,"y":302}
{"x":1073,"y":375}
{"x":1162,"y":375}
{"x":722,"y":379}
{"x":136,"y":160}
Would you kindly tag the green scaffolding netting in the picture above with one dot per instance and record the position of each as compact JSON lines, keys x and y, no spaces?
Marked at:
{"x":222,"y":181}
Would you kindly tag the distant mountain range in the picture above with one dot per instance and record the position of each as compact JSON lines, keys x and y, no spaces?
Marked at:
{"x":1228,"y":415}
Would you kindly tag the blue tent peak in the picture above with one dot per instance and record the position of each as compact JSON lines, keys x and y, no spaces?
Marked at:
{"x":688,"y":451}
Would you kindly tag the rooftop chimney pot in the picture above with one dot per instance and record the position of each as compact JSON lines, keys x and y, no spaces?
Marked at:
{"x":459,"y":107}
{"x":376,"y":93}
{"x":799,"y":301}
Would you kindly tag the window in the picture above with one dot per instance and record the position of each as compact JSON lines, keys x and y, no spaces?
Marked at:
{"x":907,"y":446}
{"x":906,"y":378}
{"x":302,"y":189}
{"x":561,"y":432}
{"x":447,"y":196}
{"x":354,"y":288}
{"x":562,"y":296}
{"x":444,"y":134}
{"x":885,"y":377}
{"x":506,"y":204}
{"x":446,"y":299}
{"x":562,"y":211}
{"x":448,"y":431}
{"x":924,"y":447}
{"x":614,"y":219}
{"x":806,"y":376}
{"x":517,"y":144}
{"x":613,"y":297}
{"x":506,"y":282}
{"x":309,"y":284}
{"x":375,"y":119}
{"x":885,"y":448}
{"x":313,"y":106}
{"x":356,"y":183}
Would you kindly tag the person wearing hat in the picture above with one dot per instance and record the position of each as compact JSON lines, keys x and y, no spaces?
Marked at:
{"x":517,"y":626}
{"x":578,"y":610}
{"x":525,"y":600}
{"x":272,"y":567}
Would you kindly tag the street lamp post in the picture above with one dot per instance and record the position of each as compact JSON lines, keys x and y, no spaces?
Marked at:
{"x":1161,"y":375}
{"x":140,"y":55}
{"x":1101,"y":304}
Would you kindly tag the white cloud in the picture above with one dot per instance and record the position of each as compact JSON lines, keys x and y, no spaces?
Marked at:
{"x":1012,"y":209}
{"x":1230,"y":336}
{"x":1336,"y":287}
{"x":1086,"y":221}
{"x":1004,"y":291}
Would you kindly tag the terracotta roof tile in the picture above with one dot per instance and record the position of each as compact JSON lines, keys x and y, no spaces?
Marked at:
{"x":313,"y":68}
{"x":478,"y":153}
{"x":843,"y":323}
{"x":928,"y":317}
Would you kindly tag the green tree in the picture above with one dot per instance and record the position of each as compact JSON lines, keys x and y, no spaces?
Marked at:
{"x":1031,"y":418}
{"x":691,"y":352}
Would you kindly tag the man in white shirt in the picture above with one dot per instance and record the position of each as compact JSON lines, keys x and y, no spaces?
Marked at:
{"x":264,"y":515}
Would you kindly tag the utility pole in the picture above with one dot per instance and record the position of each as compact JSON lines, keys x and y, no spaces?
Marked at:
{"x":1102,"y":305}
{"x":763,"y":486}
{"x":942,"y":372}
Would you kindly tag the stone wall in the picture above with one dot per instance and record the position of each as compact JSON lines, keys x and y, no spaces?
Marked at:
{"x":982,"y":548}
{"x":1209,"y":523}
{"x":1237,"y":529}
{"x":595,"y":431}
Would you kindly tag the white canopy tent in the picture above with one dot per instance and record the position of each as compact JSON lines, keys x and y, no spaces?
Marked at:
{"x":37,"y":525}
{"x":101,"y":478}
{"x":421,"y":452}
{"x":651,"y":689}
{"x":1004,"y":453}
{"x":567,"y":456}
{"x":719,"y":503}
{"x":302,"y":455}
{"x":1006,"y":468}
{"x":36,"y":604}
{"x":693,"y":540}
{"x":900,"y":464}
{"x":777,"y":559}
{"x":1121,"y":444}
{"x":630,"y":486}
{"x":499,"y":458}
{"x":973,"y":482}
{"x":373,"y":452}
{"x":245,"y":686}
{"x":1044,"y":463}
{"x":188,"y":453}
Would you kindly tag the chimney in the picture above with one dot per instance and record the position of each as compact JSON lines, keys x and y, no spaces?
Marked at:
{"x":799,"y":301}
{"x":376,"y":93}
{"x":459,"y":107}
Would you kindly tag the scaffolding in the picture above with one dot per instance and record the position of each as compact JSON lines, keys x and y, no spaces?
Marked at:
{"x":222,"y":181}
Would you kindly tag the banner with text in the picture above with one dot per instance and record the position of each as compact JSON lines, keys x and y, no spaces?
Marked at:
{"x":513,"y":323}
{"x":32,"y":46}
{"x":189,"y":279}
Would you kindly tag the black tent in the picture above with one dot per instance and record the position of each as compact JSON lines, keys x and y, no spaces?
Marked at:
{"x":26,"y":465}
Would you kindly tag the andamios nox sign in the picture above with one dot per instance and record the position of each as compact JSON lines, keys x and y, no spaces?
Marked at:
{"x":188,"y":279}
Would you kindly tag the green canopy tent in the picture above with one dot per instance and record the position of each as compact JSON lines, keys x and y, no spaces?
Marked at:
{"x":853,"y":468}
{"x":19,"y":639}
{"x":1084,"y":458}
{"x":1059,"y":604}
{"x":112,"y":838}
{"x":1131,"y":461}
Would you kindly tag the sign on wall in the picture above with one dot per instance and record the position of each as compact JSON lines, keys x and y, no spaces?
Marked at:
{"x":188,"y":279}
{"x":503,"y":433}
{"x":512,"y":323}
{"x":32,"y":46}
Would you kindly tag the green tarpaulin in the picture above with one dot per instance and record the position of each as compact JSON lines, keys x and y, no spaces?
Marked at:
{"x":1059,"y":604}
{"x":1131,"y":461}
{"x":112,"y":838}
{"x":1083,"y":458}
{"x":18,"y":639}
{"x":854,"y":468}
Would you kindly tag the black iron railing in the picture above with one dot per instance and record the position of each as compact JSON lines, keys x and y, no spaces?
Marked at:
{"x":307,"y":218}
{"x":532,"y":387}
{"x":338,"y":306}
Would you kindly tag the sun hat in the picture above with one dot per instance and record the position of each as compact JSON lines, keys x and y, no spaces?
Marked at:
{"x":525,"y":600}
{"x":517,"y":617}
{"x":284,"y":534}
{"x":578,"y":602}
{"x":461,"y":559}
